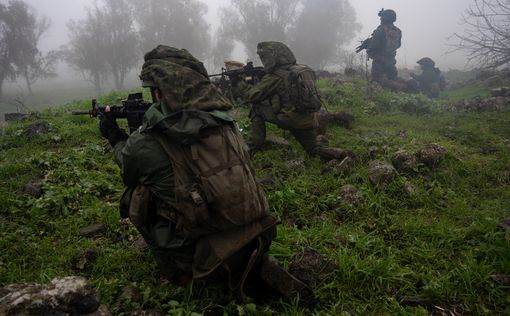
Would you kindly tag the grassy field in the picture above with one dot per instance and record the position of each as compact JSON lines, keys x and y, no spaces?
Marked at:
{"x":435,"y":249}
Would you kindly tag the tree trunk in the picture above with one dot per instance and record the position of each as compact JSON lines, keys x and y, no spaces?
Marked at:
{"x":1,"y":87}
{"x":97,"y":83}
{"x":27,"y":80}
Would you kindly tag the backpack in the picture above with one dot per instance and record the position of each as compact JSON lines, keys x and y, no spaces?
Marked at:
{"x":215,"y":184}
{"x":300,"y":86}
{"x":393,"y":39}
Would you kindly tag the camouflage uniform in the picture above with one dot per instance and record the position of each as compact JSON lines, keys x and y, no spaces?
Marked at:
{"x":430,"y":80}
{"x":188,"y":93}
{"x":270,"y":103}
{"x":385,"y":41}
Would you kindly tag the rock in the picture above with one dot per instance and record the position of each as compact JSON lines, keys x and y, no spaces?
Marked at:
{"x":500,"y":92}
{"x":149,"y":312}
{"x":410,"y":190}
{"x":311,"y":267}
{"x":349,"y":195}
{"x":278,"y":141}
{"x":101,"y":311}
{"x":431,"y":154}
{"x":140,"y":244}
{"x":494,"y":81}
{"x":10,"y":117}
{"x":267,"y":181}
{"x":345,"y":166}
{"x":33,"y":188}
{"x":381,"y":172}
{"x":404,"y":161}
{"x":93,"y":230}
{"x":63,"y":296}
{"x":37,"y":129}
{"x":295,"y":163}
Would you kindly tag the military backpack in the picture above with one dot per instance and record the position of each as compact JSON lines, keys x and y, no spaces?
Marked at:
{"x":302,"y":92}
{"x":215,"y":184}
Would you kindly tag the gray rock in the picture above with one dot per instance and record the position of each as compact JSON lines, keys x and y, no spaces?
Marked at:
{"x":381,"y":172}
{"x":278,"y":141}
{"x":37,"y":129}
{"x":500,"y":92}
{"x":295,"y":163}
{"x":140,"y":244}
{"x":349,"y":195}
{"x":63,"y":296}
{"x":431,"y":154}
{"x":404,"y":161}
{"x":93,"y":230}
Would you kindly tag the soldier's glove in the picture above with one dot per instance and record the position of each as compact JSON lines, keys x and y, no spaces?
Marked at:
{"x":110,"y":130}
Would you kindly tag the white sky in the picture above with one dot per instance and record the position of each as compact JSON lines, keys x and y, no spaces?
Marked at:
{"x":425,"y":25}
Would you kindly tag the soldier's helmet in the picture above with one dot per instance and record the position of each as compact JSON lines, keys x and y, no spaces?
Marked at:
{"x":426,"y":62}
{"x":388,"y":15}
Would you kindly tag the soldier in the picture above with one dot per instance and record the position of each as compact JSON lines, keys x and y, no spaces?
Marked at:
{"x":197,"y":205}
{"x":382,"y":49}
{"x":430,"y":81}
{"x":274,"y":100}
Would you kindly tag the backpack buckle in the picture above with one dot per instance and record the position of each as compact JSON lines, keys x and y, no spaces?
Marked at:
{"x":196,"y":197}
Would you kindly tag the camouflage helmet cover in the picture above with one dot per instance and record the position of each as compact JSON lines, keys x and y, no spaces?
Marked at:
{"x":178,"y":56}
{"x":426,"y":62}
{"x":388,"y":15}
{"x":182,"y":80}
{"x":275,"y":54}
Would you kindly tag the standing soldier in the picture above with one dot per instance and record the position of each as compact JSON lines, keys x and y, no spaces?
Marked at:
{"x":430,"y":81}
{"x":382,"y":49}
{"x":287,"y":96}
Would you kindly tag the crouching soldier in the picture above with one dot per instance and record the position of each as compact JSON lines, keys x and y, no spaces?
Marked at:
{"x":430,"y":81}
{"x":191,"y":188}
{"x":287,"y":97}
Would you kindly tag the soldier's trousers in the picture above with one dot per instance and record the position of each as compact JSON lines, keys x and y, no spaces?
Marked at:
{"x":306,"y":137}
{"x":384,"y":68}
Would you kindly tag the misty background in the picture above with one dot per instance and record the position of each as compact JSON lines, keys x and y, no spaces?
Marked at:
{"x":220,"y":30}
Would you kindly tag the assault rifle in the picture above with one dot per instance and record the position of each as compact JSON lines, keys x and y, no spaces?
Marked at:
{"x":133,"y":109}
{"x":230,"y":78}
{"x":364,"y":45}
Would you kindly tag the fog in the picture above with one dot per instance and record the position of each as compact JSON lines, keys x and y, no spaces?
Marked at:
{"x":426,"y":26}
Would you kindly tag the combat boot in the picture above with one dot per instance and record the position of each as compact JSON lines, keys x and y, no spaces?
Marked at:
{"x":284,"y":283}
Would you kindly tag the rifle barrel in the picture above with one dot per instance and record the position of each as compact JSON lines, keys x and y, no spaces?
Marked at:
{"x":80,"y":112}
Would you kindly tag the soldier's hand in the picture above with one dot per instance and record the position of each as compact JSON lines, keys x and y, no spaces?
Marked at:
{"x":110,"y":129}
{"x":107,"y":125}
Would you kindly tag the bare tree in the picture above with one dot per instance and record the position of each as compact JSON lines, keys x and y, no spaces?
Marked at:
{"x":84,"y":52}
{"x":121,"y":40}
{"x":178,"y":23}
{"x":20,"y":32}
{"x":104,"y":43}
{"x":487,"y":37}
{"x":253,"y":21}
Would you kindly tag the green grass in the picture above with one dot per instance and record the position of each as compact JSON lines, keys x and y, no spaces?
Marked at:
{"x":440,"y":245}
